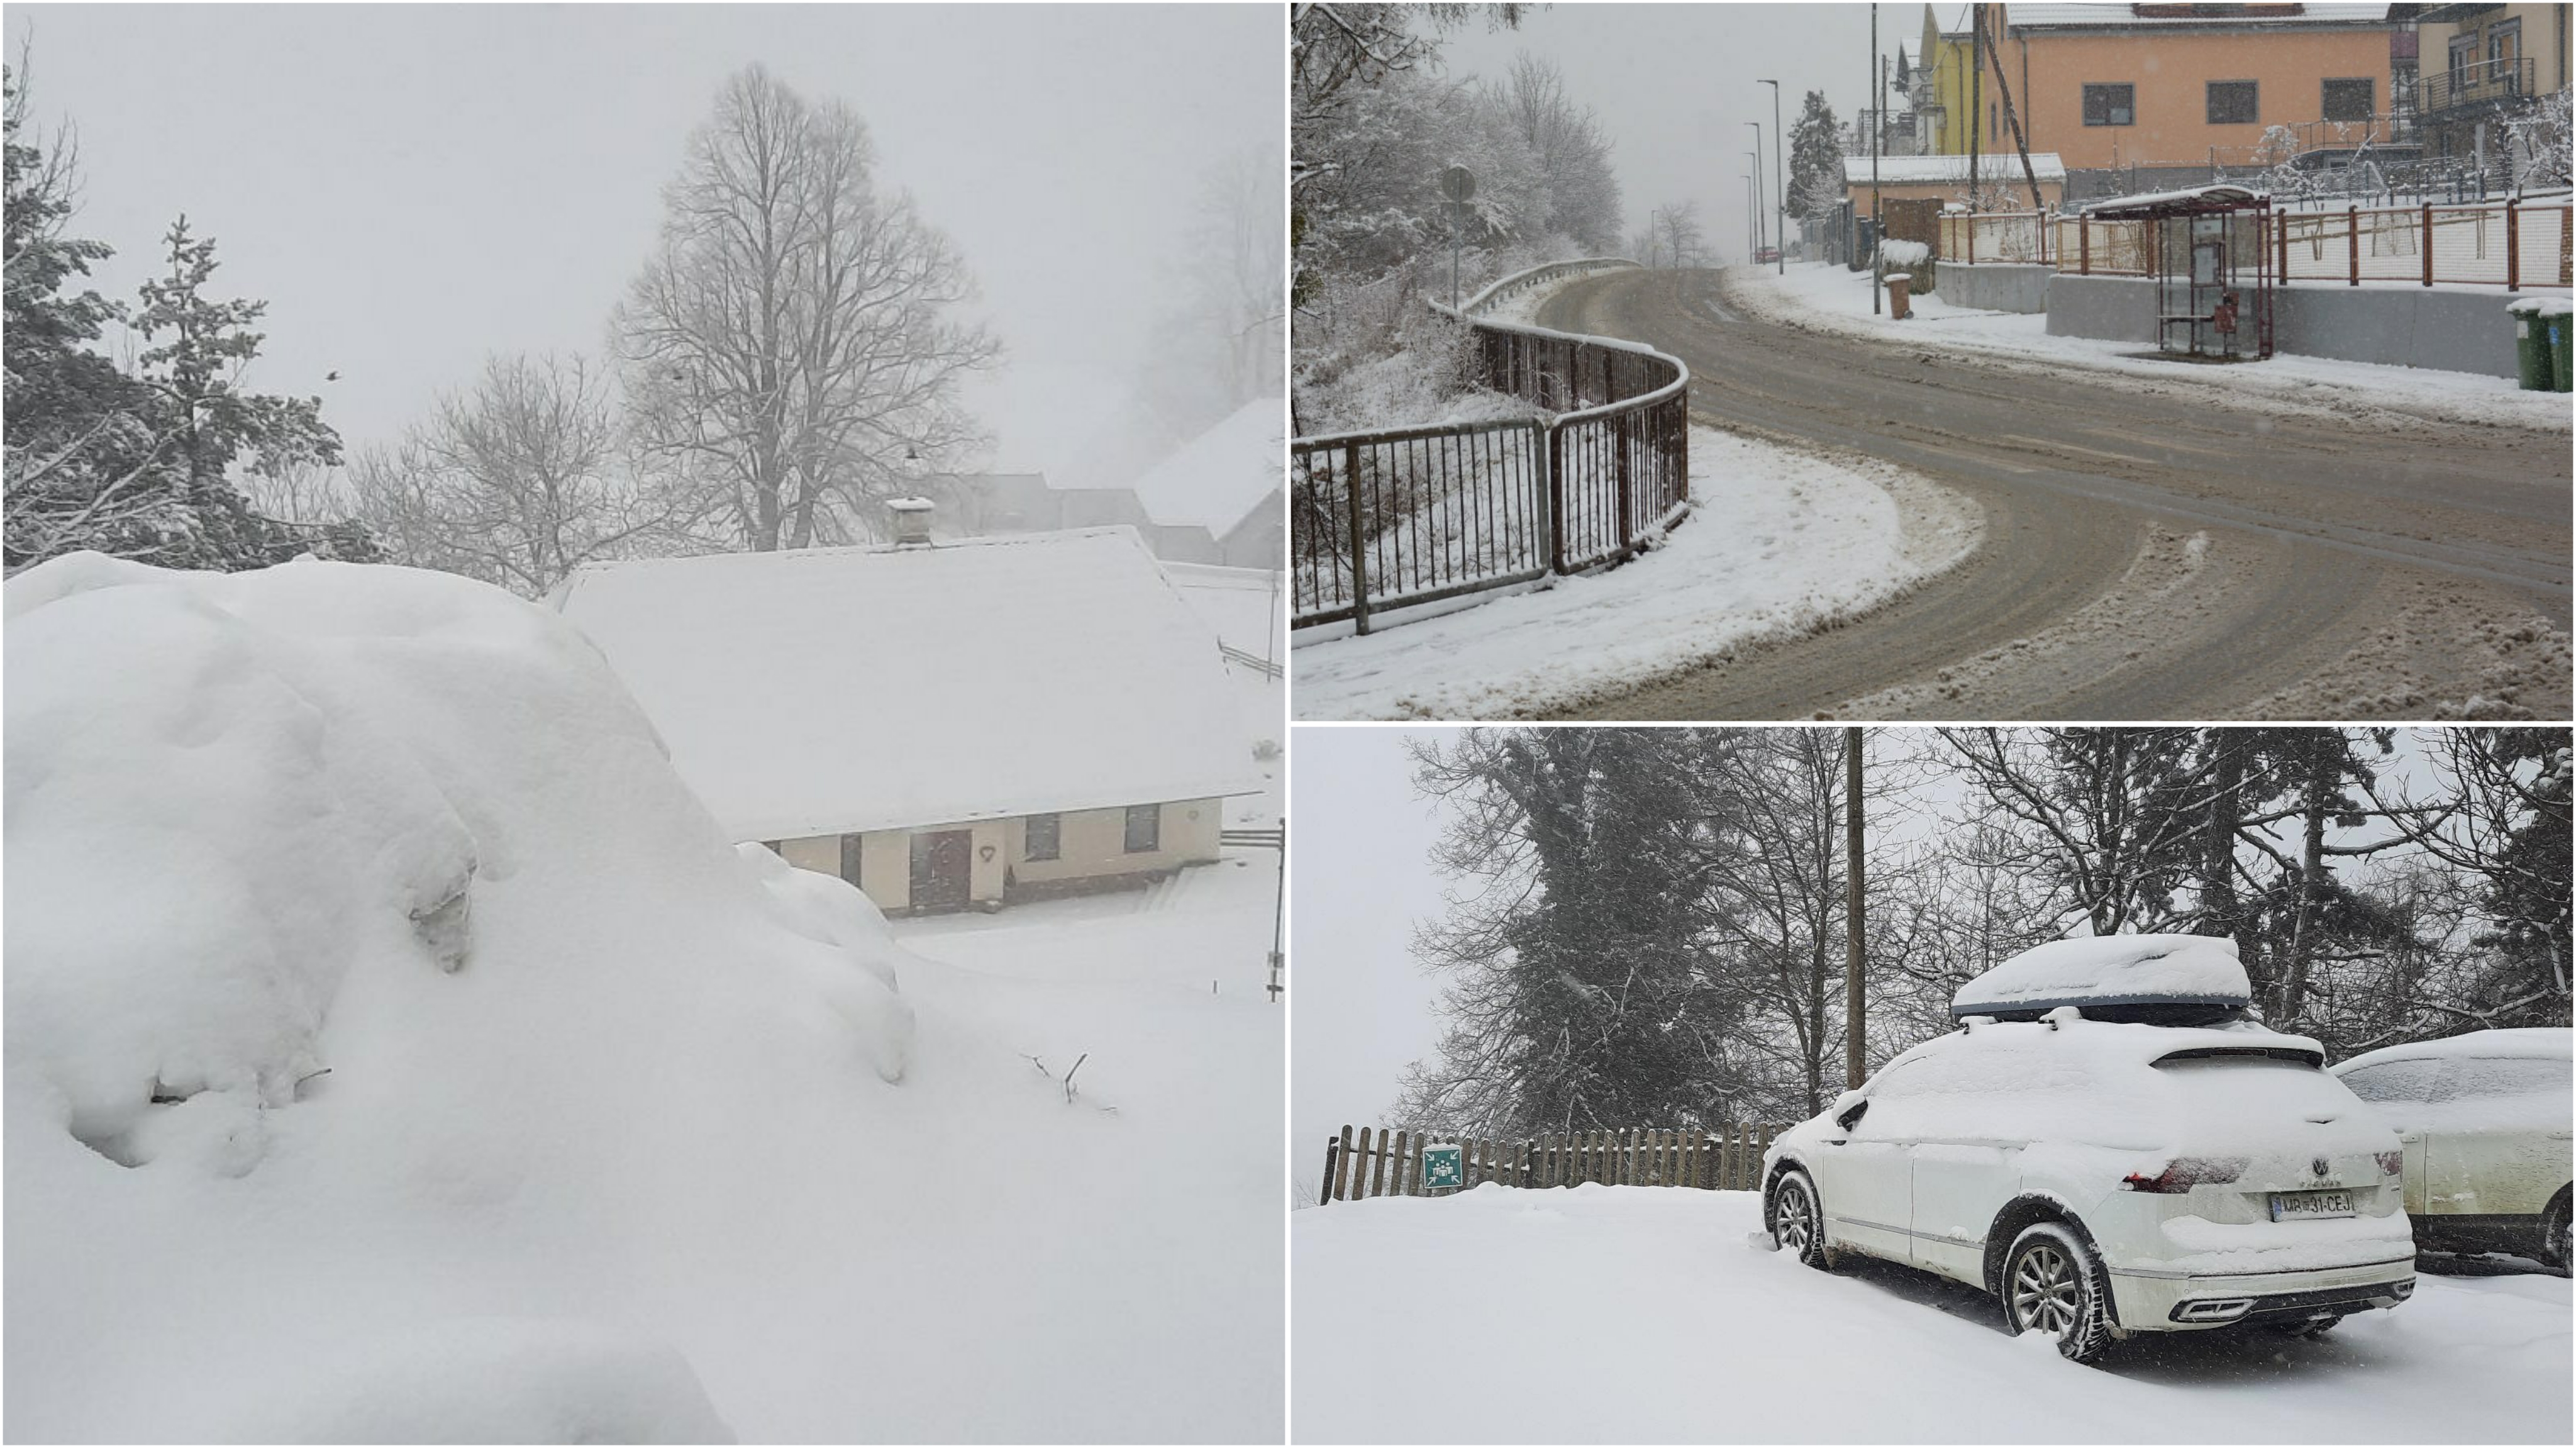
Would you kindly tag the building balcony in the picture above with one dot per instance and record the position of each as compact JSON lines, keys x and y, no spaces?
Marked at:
{"x":2485,"y":84}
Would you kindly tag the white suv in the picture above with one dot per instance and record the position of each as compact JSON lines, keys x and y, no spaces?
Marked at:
{"x":2485,"y":1121}
{"x":2175,"y":1167}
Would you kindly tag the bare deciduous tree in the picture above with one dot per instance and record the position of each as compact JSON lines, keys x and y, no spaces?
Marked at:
{"x":790,"y":346}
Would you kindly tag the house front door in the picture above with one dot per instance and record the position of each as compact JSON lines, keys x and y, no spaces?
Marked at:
{"x":943,"y":870}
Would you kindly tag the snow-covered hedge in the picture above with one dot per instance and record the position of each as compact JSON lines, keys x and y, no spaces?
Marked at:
{"x":372,"y":977}
{"x":1900,"y":254}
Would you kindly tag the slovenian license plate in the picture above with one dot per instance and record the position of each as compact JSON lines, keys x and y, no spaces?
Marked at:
{"x":2297,"y":1206}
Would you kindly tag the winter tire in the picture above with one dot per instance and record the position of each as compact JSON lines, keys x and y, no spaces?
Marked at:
{"x":2052,"y":1284}
{"x":2553,"y":1233}
{"x":1797,"y":1221}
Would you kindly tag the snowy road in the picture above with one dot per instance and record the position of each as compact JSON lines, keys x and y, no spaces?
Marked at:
{"x":2146,"y":555}
{"x":1635,"y":1314}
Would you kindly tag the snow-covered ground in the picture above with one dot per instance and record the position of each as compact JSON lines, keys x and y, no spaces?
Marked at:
{"x":396,"y":1051}
{"x":1779,"y":543}
{"x":1648,"y":1314}
{"x":1827,"y":296}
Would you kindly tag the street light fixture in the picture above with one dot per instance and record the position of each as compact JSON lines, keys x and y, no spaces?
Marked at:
{"x":1757,"y":191}
{"x":1779,"y":178}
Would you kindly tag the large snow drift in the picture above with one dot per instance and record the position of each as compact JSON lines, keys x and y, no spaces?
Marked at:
{"x":396,"y":1049}
{"x":2102,"y":970}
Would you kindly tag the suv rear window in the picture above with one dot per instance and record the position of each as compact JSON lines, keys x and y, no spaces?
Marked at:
{"x":2462,"y":1078}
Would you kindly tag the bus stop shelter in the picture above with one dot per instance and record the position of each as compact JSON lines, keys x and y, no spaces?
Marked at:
{"x":2213,"y":274}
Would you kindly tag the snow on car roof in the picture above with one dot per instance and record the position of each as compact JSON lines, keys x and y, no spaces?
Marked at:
{"x":2532,"y":1042}
{"x":837,"y":690}
{"x":2103,"y":970}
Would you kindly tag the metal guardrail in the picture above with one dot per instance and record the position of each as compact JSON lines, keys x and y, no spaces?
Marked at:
{"x":1505,"y":288}
{"x":1407,"y":516}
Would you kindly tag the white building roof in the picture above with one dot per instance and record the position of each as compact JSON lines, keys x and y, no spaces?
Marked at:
{"x":1916,"y":170}
{"x":2187,"y":16}
{"x":834,"y":690}
{"x":1215,"y":479}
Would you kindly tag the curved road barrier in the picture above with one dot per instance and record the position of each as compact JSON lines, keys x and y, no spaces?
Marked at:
{"x":1402,"y":517}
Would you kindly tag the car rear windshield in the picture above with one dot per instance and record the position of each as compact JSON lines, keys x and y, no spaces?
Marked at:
{"x":2460,"y":1078}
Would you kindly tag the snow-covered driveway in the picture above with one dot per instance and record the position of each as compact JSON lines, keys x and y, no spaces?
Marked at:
{"x":1634,"y":1314}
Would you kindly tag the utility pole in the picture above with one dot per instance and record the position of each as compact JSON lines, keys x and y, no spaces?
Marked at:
{"x":1877,"y":127}
{"x":1752,"y":215}
{"x":1976,"y":95}
{"x":1855,"y":1025}
{"x":2021,"y":144}
{"x":1780,"y":178}
{"x":1757,"y":188}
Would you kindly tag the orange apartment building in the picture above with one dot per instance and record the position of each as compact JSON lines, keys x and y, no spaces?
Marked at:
{"x":2146,"y":95}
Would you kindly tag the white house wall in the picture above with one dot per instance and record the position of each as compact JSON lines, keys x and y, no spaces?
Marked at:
{"x":1091,"y":844}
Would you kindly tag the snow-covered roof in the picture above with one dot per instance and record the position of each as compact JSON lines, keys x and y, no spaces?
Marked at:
{"x":836,"y":690}
{"x":1217,"y":478}
{"x":2103,"y":970}
{"x":2002,"y":166}
{"x":2222,"y":193}
{"x":2190,"y":16}
{"x":2550,"y":1043}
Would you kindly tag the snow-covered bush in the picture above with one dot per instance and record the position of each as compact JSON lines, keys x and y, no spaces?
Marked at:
{"x":370,"y":969}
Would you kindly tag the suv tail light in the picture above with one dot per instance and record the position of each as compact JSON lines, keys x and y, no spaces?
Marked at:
{"x":2185,"y":1172}
{"x":2392,"y":1163}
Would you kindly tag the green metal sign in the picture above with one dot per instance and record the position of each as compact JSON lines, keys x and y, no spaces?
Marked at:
{"x":1441,"y":1168}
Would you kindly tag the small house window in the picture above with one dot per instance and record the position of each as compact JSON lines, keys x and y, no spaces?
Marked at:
{"x":2231,"y":103}
{"x":1144,"y":828}
{"x":2110,"y":105}
{"x":2350,"y":100}
{"x":1046,"y":837}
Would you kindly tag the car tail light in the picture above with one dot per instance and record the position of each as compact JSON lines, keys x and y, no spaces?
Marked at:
{"x":2392,"y":1163}
{"x":2185,"y":1172}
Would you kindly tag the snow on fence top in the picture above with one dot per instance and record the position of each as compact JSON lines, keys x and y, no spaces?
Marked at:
{"x":1217,"y":479}
{"x":2104,"y":970}
{"x":832,"y":691}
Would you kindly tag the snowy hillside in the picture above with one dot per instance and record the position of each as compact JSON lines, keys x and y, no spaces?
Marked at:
{"x":396,"y":1050}
{"x":1649,"y":1314}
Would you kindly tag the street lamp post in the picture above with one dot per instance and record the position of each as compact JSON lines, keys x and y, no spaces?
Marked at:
{"x":1753,"y":206}
{"x":1779,"y":178}
{"x":1757,"y":189}
{"x":1752,"y":209}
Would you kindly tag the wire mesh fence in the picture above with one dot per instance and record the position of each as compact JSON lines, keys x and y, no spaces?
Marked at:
{"x":2506,"y":244}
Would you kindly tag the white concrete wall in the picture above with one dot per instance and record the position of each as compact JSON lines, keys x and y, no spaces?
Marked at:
{"x":1092,"y":844}
{"x":2454,"y":329}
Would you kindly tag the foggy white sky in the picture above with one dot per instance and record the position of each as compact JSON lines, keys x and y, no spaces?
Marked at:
{"x":1675,"y":84}
{"x":411,"y":187}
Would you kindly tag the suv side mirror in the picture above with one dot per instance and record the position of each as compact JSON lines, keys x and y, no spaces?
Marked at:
{"x":1850,"y":1115}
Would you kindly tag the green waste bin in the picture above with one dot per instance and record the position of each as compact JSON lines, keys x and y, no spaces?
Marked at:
{"x":2531,"y":346}
{"x":2553,"y":315}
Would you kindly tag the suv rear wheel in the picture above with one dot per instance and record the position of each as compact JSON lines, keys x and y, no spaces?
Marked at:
{"x":2553,"y":1232}
{"x":2052,"y":1284}
{"x":1797,"y":1222}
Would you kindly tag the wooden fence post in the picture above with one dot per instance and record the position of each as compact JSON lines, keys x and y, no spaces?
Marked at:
{"x":1332,"y":1162}
{"x":2352,"y":236}
{"x":1372,"y":1187}
{"x":1341,"y":1184}
{"x":2512,"y":244}
{"x":2281,"y":236}
{"x":2428,"y":243}
{"x":1359,"y":537}
{"x":2083,"y":245}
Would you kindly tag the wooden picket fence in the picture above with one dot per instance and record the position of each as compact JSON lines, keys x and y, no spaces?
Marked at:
{"x":1379,"y":1162}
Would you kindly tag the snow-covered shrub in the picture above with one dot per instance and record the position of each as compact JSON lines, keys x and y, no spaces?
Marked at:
{"x":369,"y":968}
